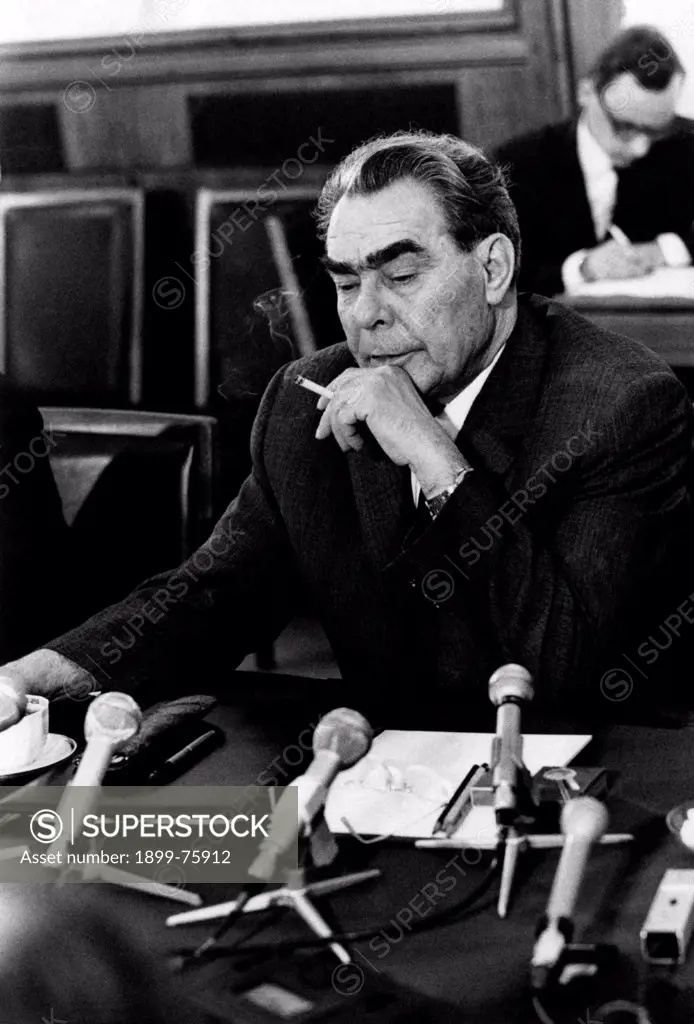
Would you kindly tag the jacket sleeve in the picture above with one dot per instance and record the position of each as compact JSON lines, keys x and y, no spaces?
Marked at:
{"x":572,"y":562}
{"x":229,"y":598}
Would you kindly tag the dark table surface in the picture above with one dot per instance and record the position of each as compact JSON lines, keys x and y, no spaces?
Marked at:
{"x":480,"y":963}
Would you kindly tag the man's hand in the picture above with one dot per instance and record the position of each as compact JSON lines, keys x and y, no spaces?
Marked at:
{"x":12,"y":702}
{"x":386,"y":400}
{"x":651,"y":254}
{"x":46,"y":673}
{"x":612,"y":261}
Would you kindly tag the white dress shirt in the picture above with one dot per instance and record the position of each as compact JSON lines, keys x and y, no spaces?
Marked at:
{"x":600,"y":179}
{"x":456,"y":411}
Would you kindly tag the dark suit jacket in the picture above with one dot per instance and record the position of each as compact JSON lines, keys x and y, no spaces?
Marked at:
{"x":594,"y":548}
{"x":33,"y":535}
{"x":654,"y":195}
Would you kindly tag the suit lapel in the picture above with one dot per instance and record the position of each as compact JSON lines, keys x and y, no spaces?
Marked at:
{"x":504,"y":410}
{"x":383,"y":497}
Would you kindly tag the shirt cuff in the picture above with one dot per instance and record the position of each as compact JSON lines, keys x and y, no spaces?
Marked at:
{"x":675,"y":252}
{"x":571,"y":271}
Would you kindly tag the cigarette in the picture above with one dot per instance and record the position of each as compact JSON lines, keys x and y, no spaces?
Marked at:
{"x":311,"y":385}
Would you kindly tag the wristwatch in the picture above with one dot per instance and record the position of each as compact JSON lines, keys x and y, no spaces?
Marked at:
{"x":436,"y":502}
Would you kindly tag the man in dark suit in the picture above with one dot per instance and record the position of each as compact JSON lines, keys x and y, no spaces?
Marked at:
{"x":485,"y":480}
{"x":628,"y":163}
{"x":33,"y":533}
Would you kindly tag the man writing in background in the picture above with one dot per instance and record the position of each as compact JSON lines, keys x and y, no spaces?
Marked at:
{"x":486,"y":479}
{"x":621,"y":174}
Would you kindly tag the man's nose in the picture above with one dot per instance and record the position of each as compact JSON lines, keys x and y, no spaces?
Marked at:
{"x":370,"y":310}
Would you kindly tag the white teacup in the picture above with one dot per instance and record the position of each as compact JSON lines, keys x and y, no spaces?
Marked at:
{"x":23,"y":743}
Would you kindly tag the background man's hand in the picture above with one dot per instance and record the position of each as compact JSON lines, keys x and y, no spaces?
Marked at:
{"x":651,"y":254}
{"x":387,"y":402}
{"x":612,"y":261}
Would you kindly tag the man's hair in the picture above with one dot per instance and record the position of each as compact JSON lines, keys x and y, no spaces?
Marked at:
{"x":471,"y":189}
{"x":640,"y":51}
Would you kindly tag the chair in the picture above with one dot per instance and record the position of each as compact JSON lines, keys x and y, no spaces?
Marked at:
{"x":137,"y":491}
{"x":71,"y":294}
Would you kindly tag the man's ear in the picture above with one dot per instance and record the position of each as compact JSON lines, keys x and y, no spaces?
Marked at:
{"x":498,"y":259}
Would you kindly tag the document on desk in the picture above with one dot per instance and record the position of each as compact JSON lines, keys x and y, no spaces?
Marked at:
{"x":667,"y":282}
{"x":401,"y":786}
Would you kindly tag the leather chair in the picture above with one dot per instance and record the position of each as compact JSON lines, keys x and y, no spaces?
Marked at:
{"x":137,"y":491}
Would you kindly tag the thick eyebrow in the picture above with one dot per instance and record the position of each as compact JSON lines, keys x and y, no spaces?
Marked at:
{"x":376,"y":259}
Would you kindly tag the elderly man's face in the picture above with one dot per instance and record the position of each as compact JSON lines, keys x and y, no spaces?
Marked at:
{"x":406,"y":294}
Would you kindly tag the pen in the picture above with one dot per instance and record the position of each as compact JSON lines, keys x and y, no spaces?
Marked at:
{"x":619,"y":236}
{"x":463,"y":802}
{"x":450,"y":816}
{"x":186,"y":756}
{"x":311,"y":385}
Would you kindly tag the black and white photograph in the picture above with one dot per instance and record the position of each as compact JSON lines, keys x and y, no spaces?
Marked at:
{"x":346,"y":512}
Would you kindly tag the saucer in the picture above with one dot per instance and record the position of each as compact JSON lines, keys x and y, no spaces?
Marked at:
{"x":57,"y":748}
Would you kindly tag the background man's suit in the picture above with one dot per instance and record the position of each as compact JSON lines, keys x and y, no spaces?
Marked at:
{"x":654,"y":196}
{"x":410,"y":612}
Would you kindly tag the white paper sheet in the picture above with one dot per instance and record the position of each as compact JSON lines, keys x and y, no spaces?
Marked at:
{"x":401,"y":786}
{"x":667,"y":282}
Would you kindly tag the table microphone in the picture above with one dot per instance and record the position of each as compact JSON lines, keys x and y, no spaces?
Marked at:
{"x":583,"y":821}
{"x":111,"y":720}
{"x":509,"y":687}
{"x":342,"y":737}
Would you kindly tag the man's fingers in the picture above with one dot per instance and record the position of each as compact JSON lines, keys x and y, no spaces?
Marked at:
{"x":635,"y":268}
{"x":341,"y":421}
{"x":324,"y":428}
{"x":347,"y":436}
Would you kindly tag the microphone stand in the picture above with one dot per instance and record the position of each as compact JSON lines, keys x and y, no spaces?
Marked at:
{"x":294,"y":894}
{"x":516,"y":840}
{"x":514,"y":837}
{"x":98,"y":872}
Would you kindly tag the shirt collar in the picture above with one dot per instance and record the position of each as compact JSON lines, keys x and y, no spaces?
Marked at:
{"x":457,"y":410}
{"x":592,"y":157}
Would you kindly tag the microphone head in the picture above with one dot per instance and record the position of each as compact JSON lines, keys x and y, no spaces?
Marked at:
{"x":584,"y":818}
{"x":510,"y":682}
{"x":115,"y":716}
{"x":346,"y":732}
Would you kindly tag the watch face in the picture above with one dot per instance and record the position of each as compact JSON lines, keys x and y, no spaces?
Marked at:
{"x":436,"y":503}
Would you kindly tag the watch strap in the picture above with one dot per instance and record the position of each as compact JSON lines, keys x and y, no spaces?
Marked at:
{"x":436,"y":502}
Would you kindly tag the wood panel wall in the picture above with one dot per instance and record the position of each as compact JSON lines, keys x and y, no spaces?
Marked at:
{"x":124,"y":104}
